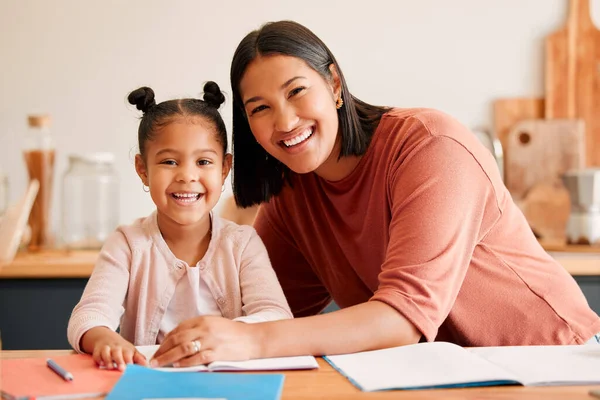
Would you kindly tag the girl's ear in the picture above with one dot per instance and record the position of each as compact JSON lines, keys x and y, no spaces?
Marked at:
{"x":140,"y":168}
{"x":227,"y":161}
{"x":336,"y":83}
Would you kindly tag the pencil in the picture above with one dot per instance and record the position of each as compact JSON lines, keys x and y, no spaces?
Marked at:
{"x":60,"y":371}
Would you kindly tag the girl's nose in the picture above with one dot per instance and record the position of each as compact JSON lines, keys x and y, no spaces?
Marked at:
{"x":286,"y":119}
{"x":187,"y":173}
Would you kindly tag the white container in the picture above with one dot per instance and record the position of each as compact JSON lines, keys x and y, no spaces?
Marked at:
{"x":90,"y":201}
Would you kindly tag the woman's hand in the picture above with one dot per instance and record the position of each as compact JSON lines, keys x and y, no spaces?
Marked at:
{"x":202,"y":340}
{"x":111,"y":351}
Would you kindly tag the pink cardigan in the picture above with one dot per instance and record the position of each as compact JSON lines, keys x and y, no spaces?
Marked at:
{"x":136,"y":273}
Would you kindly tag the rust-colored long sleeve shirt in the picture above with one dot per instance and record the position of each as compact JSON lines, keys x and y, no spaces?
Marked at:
{"x":424,"y":224}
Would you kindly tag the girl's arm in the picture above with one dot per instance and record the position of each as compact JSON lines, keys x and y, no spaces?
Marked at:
{"x":262,"y":297}
{"x":96,"y":317}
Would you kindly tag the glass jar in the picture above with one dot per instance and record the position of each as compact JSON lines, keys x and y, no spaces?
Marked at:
{"x":90,"y":201}
{"x":38,"y":152}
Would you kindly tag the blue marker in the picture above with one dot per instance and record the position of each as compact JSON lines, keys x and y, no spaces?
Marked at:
{"x":67,"y":376}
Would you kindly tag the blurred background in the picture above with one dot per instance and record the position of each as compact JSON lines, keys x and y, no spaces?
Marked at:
{"x":78,"y":60}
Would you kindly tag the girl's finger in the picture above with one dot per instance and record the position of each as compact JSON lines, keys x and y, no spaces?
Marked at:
{"x":106,"y":357}
{"x":139,"y":358}
{"x":128,"y":355}
{"x":117,"y":357}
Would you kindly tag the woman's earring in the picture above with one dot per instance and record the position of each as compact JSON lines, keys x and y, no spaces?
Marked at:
{"x":145,"y":188}
{"x":222,"y":188}
{"x":339,"y":102}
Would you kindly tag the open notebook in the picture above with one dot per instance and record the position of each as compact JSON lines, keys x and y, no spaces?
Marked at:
{"x":446,"y":365}
{"x":262,"y":364}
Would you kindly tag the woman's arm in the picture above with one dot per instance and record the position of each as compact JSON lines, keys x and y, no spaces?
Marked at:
{"x":367,"y":326}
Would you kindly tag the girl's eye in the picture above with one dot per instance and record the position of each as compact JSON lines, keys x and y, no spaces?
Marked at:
{"x":168,"y":162}
{"x":204,"y":162}
{"x":258,"y":109}
{"x":295,"y":91}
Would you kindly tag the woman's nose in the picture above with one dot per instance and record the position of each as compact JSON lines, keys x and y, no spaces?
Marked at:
{"x":286,"y":119}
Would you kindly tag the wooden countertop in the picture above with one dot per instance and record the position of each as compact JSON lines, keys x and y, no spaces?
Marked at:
{"x":326,"y":383}
{"x":50,"y":264}
{"x":60,"y":264}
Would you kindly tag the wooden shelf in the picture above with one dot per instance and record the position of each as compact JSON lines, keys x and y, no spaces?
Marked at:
{"x":50,"y":264}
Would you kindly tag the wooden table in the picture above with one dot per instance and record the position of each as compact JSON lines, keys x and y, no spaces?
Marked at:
{"x":326,"y":383}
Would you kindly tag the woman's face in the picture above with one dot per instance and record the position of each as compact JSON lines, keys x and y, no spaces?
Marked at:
{"x":291,"y":111}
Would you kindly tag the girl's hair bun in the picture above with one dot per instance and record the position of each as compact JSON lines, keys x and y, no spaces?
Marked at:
{"x":142,"y":98}
{"x":213,"y":95}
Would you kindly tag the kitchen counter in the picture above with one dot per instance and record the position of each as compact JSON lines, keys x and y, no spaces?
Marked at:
{"x":577,"y":260}
{"x":50,"y":264}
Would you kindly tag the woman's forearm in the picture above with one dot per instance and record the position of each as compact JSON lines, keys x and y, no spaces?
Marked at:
{"x":367,"y":326}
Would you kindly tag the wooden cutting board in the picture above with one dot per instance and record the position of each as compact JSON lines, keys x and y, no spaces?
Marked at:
{"x":540,"y":151}
{"x":573,"y":75}
{"x":507,"y":112}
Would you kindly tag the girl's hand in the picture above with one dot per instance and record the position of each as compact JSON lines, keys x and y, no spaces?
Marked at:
{"x":202,"y":340}
{"x":111,"y":351}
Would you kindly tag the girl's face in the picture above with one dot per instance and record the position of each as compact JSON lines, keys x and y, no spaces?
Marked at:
{"x":291,"y":111}
{"x":185,"y":170}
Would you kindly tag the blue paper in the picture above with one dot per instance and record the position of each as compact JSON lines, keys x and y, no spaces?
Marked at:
{"x":139,"y":382}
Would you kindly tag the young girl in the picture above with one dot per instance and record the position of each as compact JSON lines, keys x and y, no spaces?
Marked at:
{"x":182,"y":261}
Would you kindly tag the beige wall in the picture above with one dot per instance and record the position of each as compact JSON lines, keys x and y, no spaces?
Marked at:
{"x":77,"y":60}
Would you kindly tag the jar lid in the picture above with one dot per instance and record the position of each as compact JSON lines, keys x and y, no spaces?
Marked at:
{"x":38,"y":121}
{"x":94,"y":158}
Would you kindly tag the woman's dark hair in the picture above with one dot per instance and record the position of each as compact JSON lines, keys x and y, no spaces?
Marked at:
{"x":158,"y":115}
{"x":257,"y":176}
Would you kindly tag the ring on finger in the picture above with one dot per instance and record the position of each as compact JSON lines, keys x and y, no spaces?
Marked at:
{"x":196,"y":346}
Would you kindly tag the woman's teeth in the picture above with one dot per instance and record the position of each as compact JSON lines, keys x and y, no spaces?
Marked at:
{"x":298,"y":139}
{"x":186,"y":197}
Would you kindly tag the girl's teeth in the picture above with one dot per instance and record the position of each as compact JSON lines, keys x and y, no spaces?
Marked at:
{"x":298,"y":139}
{"x":186,"y":197}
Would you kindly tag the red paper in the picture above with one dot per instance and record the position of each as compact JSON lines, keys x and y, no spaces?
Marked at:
{"x":30,"y":377}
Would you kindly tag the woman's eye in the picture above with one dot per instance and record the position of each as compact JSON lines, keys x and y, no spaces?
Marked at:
{"x":258,"y":109}
{"x":297,"y":90}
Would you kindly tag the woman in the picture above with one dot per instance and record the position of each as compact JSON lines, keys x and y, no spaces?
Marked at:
{"x":399,"y":215}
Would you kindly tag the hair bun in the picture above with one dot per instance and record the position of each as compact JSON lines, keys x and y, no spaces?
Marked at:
{"x":142,"y":98}
{"x":213,"y":95}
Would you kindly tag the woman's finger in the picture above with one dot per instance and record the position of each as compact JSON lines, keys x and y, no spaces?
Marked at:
{"x":203,"y":357}
{"x":176,"y":339}
{"x":177,"y":353}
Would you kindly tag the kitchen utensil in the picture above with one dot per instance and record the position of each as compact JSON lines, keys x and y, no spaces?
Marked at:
{"x":584,"y":221}
{"x":573,"y":75}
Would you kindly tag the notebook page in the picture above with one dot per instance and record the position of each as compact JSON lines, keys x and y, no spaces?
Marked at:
{"x":149,"y":351}
{"x":547,"y":365}
{"x":266,"y":364}
{"x":423,"y":365}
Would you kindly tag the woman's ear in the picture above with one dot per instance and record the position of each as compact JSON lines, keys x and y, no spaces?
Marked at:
{"x":227,"y":161}
{"x":140,"y":168}
{"x":336,"y":83}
